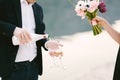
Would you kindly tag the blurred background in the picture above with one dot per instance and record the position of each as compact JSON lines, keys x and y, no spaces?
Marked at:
{"x":60,"y":17}
{"x":86,"y":57}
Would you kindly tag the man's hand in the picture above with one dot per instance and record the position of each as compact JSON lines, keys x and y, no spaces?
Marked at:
{"x":23,"y":36}
{"x":52,"y":45}
{"x":54,"y":48}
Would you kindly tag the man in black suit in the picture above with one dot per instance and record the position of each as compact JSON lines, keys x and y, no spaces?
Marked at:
{"x":20,"y":18}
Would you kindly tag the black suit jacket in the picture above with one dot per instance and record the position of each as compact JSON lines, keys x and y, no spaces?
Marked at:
{"x":10,"y":17}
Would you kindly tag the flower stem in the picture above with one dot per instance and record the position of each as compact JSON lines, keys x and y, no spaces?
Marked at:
{"x":96,"y":30}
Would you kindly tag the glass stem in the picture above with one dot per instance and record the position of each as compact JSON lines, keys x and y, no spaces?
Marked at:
{"x":54,"y":60}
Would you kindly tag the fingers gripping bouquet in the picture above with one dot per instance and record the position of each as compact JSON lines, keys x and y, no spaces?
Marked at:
{"x":89,"y":9}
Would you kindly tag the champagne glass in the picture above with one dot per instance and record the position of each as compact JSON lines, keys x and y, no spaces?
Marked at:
{"x":57,"y":55}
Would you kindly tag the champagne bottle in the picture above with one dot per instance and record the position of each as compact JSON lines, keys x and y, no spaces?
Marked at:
{"x":35,"y":37}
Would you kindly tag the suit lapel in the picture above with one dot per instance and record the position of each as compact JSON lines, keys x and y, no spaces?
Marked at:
{"x":17,"y":7}
{"x":36,"y":13}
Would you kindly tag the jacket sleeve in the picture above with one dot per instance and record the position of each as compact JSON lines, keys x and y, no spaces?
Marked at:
{"x":40,"y":29}
{"x":5,"y":27}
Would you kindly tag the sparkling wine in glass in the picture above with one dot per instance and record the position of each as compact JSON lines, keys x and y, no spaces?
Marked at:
{"x":57,"y":56}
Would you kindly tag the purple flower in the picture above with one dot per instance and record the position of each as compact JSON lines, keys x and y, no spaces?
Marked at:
{"x":102,"y":7}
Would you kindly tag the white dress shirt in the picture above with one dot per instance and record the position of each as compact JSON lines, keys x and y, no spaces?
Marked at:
{"x":28,"y":51}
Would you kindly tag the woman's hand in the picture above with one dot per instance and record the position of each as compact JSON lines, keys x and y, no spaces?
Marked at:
{"x":101,"y":21}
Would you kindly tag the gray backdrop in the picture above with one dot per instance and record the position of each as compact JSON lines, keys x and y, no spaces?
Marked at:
{"x":60,"y":17}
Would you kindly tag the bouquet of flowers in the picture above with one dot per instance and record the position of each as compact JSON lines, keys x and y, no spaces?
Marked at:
{"x":89,"y":9}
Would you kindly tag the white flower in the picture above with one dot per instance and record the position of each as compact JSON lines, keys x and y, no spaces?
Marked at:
{"x":92,"y":5}
{"x":80,"y":5}
{"x":80,"y":9}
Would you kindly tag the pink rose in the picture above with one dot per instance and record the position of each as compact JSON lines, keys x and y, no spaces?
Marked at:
{"x":92,"y":6}
{"x":80,"y":9}
{"x":80,"y":13}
